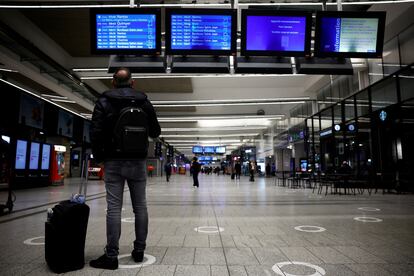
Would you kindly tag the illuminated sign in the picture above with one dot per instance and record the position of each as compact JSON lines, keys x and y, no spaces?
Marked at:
{"x":383,"y":115}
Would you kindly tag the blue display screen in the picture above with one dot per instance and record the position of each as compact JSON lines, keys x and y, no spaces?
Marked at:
{"x":126,"y":31}
{"x":34,"y":156}
{"x":200,"y":32}
{"x":21,"y":149}
{"x":45,"y":157}
{"x":275,"y":33}
{"x":348,"y":35}
{"x":197,"y":149}
{"x":209,"y":149}
{"x":220,"y":149}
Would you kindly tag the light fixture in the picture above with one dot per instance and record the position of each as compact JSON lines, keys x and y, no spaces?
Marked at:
{"x":209,"y":135}
{"x":53,"y":96}
{"x":202,"y":129}
{"x":224,"y":117}
{"x":197,"y":5}
{"x":62,"y":101}
{"x":175,"y":76}
{"x":37,"y":96}
{"x":8,"y":70}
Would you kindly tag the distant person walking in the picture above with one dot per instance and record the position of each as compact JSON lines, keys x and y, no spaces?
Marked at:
{"x":168,"y":169}
{"x":237,"y":168}
{"x":121,"y":123}
{"x":150,"y":170}
{"x":252,"y":169}
{"x":195,"y":167}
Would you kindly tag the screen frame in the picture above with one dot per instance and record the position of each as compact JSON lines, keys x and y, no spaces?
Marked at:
{"x":38,"y":155}
{"x":210,"y":152}
{"x":92,"y":28}
{"x":41,"y":157}
{"x":345,"y":14}
{"x":255,"y":12}
{"x":26,"y":155}
{"x":202,"y":149}
{"x":231,"y":12}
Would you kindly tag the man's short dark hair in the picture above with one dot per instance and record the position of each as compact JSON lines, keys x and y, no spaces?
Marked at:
{"x":122,"y":80}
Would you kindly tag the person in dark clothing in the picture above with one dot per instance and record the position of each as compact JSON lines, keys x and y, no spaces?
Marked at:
{"x":168,"y":169}
{"x":121,"y":163}
{"x":196,"y":167}
{"x":268,"y":168}
{"x":237,"y":168}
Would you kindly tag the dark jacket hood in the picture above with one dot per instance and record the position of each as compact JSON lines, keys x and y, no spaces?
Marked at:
{"x":125,"y":94}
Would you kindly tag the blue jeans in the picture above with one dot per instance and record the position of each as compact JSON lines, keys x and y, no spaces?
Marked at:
{"x":134,"y":172}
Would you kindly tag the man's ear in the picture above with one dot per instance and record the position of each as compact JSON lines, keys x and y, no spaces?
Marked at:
{"x":132,"y":83}
{"x":113,"y":83}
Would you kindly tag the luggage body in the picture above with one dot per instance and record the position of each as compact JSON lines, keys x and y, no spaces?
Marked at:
{"x":233,"y":175}
{"x":65,"y":235}
{"x":65,"y":230}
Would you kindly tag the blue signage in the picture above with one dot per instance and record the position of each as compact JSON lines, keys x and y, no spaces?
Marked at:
{"x":126,"y":31}
{"x":200,"y":32}
{"x":383,"y":115}
{"x":276,"y":33}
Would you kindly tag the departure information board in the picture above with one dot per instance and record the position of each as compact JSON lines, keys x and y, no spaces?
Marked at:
{"x":201,"y":32}
{"x":125,"y":31}
{"x":349,"y":35}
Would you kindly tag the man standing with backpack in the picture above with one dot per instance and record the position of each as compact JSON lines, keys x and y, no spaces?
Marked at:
{"x":121,"y":123}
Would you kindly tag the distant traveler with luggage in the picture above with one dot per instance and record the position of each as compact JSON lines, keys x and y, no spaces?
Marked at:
{"x":196,"y":168}
{"x":150,"y":170}
{"x":121,"y":123}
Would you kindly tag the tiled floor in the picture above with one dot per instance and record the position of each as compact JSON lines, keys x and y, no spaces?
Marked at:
{"x":258,"y":237}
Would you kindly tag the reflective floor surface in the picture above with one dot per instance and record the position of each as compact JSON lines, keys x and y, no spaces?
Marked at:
{"x":228,"y":227}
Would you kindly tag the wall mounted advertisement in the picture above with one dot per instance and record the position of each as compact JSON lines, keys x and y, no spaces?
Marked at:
{"x":34,"y":156}
{"x":45,"y":157}
{"x":65,"y":124}
{"x":31,"y":111}
{"x":21,"y":150}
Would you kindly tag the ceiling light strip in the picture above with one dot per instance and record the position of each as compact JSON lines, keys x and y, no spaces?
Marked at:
{"x":225,"y":117}
{"x":197,"y":5}
{"x":209,"y":135}
{"x":184,"y":129}
{"x":229,"y":104}
{"x":53,"y":96}
{"x":37,"y":96}
{"x":166,"y":76}
{"x":62,"y":101}
{"x":231,"y":100}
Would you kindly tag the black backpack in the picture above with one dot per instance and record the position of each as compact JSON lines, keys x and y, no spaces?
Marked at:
{"x":131,"y":131}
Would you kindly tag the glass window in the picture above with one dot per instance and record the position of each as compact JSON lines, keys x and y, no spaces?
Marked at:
{"x":326,"y":118}
{"x":407,"y":46}
{"x":375,"y":72}
{"x":384,"y":94}
{"x":406,"y":79}
{"x":337,"y":113}
{"x":391,"y":57}
{"x":362,"y":103}
{"x":349,"y":109}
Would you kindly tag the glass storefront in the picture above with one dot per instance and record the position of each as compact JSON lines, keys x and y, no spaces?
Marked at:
{"x":371,"y":130}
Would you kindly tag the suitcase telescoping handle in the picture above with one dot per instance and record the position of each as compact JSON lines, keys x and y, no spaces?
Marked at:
{"x":83,"y":186}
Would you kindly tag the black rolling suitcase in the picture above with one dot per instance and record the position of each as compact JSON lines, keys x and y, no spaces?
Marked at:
{"x":233,"y":175}
{"x":65,"y":231}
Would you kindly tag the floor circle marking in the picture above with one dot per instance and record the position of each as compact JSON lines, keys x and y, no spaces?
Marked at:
{"x":150,"y":260}
{"x":209,"y":229}
{"x":369,"y":209}
{"x":277,"y":269}
{"x":367,"y":219}
{"x":128,"y":220}
{"x":316,"y":229}
{"x":31,"y":241}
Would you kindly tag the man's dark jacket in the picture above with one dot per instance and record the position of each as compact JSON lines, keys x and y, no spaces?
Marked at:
{"x":105,"y":115}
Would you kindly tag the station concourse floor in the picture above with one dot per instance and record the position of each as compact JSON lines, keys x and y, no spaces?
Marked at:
{"x":257,"y":220}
